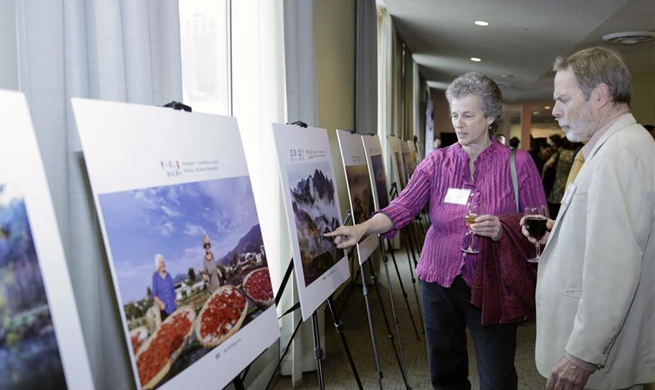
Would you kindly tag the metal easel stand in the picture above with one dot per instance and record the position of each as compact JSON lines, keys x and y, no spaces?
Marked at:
{"x":318,"y":351}
{"x":409,"y":248}
{"x":369,"y":317}
{"x":400,"y":358}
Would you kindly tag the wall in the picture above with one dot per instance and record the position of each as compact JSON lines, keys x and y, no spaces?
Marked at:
{"x":335,"y":77}
{"x":8,"y":46}
{"x":442,"y":122}
{"x":643,"y":97}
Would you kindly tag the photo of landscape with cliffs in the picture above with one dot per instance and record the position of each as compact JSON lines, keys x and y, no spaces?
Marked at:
{"x":315,"y":213}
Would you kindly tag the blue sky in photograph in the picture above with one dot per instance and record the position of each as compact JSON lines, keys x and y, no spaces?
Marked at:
{"x":171,"y":221}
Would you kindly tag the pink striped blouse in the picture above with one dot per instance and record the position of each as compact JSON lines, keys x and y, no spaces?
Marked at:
{"x":441,"y":259}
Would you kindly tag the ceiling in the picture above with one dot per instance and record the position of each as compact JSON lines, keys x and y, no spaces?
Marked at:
{"x":522,"y":40}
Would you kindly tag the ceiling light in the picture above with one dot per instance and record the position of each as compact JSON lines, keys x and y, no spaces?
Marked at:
{"x":547,"y":107}
{"x":630,"y":37}
{"x":535,"y":112}
{"x":481,"y":23}
{"x":475,"y":59}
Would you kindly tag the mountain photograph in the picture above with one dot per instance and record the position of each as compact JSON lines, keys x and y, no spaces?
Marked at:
{"x":361,"y":196}
{"x":315,"y":213}
{"x":380,"y":180}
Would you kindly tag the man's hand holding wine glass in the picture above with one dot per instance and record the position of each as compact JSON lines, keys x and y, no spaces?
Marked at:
{"x":549,"y":226}
{"x":535,"y":224}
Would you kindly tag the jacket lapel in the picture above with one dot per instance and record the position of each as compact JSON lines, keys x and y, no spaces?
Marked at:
{"x":622,"y":123}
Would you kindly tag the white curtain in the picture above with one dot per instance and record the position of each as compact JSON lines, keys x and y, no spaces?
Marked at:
{"x":385,"y":84}
{"x":102,"y":49}
{"x":301,"y":104}
{"x":416,"y":90}
{"x":366,"y":80}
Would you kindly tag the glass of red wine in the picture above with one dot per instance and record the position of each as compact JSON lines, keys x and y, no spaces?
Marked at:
{"x":535,"y":224}
{"x":472,"y":212}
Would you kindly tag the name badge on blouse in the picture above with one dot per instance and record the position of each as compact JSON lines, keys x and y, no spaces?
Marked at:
{"x":457,"y":196}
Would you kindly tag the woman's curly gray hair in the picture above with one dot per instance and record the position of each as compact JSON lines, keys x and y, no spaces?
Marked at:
{"x":476,"y":83}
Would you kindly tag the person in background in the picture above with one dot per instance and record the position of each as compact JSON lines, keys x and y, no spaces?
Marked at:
{"x":514,"y":143}
{"x":559,"y":166}
{"x":163,"y":288}
{"x":437,"y":142}
{"x":596,"y":277}
{"x":501,"y":139}
{"x":213,"y":274}
{"x":474,"y":168}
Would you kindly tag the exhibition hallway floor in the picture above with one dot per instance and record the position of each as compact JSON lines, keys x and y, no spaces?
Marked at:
{"x":337,"y":372}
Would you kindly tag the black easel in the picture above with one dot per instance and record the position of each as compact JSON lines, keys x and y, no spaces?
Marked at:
{"x":318,"y":351}
{"x":409,"y":249}
{"x":401,"y":358}
{"x":371,"y":328}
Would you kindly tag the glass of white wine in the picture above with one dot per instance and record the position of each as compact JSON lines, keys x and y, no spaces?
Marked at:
{"x":472,"y":212}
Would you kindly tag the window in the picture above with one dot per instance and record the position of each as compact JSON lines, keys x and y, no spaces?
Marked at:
{"x":205,"y":58}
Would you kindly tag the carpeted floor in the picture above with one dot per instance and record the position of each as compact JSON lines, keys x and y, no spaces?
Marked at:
{"x":336,"y":369}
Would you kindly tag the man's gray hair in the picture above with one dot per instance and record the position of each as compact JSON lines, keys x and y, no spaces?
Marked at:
{"x":598,"y":65}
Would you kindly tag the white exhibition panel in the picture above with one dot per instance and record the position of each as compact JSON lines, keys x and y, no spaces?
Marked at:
{"x":358,"y":182}
{"x":405,"y":153}
{"x":411,"y":159}
{"x":397,"y":162}
{"x":162,"y":179}
{"x":312,"y":207}
{"x":32,"y":257}
{"x":375,"y":162}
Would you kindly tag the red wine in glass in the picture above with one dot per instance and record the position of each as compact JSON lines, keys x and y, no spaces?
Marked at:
{"x":536,"y":225}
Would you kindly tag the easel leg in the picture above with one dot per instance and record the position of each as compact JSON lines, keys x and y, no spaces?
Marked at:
{"x":411,"y":270}
{"x":284,"y":353}
{"x":318,"y":352}
{"x":370,"y":326}
{"x":339,"y":326}
{"x":402,"y":286}
{"x":238,"y":384}
{"x":401,"y":358}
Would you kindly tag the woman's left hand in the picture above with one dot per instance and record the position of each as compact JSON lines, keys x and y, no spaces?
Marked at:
{"x":487,"y":226}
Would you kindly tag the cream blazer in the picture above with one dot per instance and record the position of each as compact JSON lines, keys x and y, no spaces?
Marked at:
{"x":596,"y":280}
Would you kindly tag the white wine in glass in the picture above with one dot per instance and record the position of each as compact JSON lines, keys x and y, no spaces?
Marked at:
{"x":472,"y":212}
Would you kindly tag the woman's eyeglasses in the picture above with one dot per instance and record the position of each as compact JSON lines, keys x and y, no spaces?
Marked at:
{"x":206,"y":245}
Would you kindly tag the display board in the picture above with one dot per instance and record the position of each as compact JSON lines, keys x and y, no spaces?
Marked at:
{"x":360,"y":192}
{"x":406,"y":160}
{"x":182,"y":235}
{"x":429,"y":126}
{"x":41,"y":343}
{"x":411,"y":159}
{"x":397,"y":162}
{"x":311,"y":200}
{"x":374,"y":160}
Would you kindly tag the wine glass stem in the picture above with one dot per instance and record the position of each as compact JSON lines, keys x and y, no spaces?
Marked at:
{"x":471,"y":235}
{"x":538,"y":248}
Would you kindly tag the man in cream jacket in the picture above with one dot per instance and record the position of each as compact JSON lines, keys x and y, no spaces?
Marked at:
{"x":596,"y":280}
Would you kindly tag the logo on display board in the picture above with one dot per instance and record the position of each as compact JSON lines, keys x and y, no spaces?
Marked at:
{"x":299,"y":155}
{"x":171,"y":168}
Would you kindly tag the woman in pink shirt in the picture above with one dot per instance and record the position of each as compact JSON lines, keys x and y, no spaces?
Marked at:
{"x":476,"y":167}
